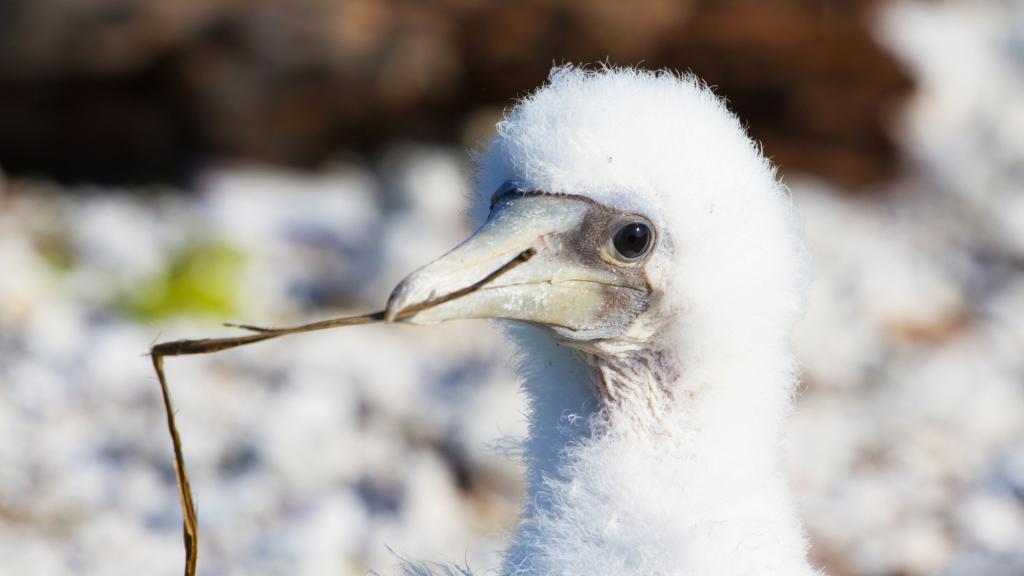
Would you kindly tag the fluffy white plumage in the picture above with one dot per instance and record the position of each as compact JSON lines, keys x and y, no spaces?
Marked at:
{"x":679,"y":471}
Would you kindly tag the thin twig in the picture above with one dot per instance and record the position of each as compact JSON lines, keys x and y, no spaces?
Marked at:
{"x":157,"y":353}
{"x":190,"y":524}
{"x":190,"y":521}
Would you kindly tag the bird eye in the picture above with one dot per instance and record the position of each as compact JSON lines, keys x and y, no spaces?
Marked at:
{"x":632,"y":241}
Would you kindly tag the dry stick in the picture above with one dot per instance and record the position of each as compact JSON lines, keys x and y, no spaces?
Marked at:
{"x":190,"y":522}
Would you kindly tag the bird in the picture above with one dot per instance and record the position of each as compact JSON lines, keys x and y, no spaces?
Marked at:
{"x":648,"y":263}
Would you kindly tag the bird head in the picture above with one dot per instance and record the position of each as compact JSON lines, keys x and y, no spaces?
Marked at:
{"x":616,"y":206}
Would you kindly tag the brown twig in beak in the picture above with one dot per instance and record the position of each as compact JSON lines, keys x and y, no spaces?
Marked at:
{"x":157,"y":353}
{"x":190,"y":521}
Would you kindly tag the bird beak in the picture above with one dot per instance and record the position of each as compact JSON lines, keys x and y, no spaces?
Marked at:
{"x":525,"y":263}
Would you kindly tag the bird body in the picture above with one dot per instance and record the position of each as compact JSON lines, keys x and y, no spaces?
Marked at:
{"x":653,"y":267}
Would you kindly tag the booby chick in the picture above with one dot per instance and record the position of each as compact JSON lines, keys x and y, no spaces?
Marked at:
{"x":654,"y":268}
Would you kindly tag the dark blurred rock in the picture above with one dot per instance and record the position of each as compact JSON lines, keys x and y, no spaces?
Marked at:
{"x":116,"y":90}
{"x":807,"y":77}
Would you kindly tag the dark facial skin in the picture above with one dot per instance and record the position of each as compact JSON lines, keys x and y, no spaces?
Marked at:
{"x":590,"y":244}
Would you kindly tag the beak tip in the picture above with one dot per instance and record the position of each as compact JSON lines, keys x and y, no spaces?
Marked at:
{"x":397,"y":302}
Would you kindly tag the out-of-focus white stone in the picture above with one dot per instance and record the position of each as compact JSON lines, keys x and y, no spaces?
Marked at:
{"x":994,"y":522}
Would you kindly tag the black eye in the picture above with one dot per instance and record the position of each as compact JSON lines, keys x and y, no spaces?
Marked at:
{"x":632,"y":240}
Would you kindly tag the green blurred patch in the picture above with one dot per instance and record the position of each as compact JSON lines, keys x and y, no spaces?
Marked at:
{"x":202,"y":279}
{"x":56,"y":250}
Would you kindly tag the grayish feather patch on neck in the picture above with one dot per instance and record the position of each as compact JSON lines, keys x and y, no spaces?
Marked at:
{"x":637,"y":389}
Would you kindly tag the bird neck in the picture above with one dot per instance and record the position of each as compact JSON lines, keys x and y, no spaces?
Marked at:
{"x":642,"y":463}
{"x":636,"y":391}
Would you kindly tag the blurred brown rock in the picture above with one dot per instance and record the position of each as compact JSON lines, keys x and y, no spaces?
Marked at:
{"x":144,"y":90}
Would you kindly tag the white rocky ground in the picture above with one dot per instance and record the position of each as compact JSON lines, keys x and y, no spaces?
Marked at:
{"x":314,"y":454}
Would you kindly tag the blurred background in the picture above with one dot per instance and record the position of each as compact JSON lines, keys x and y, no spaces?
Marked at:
{"x":166,"y":165}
